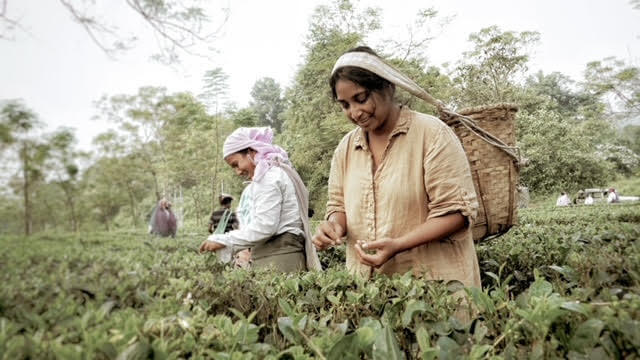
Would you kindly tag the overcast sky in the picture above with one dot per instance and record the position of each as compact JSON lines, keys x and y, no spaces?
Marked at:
{"x":59,"y":72}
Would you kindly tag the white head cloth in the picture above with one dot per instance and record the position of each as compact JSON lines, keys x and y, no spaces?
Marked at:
{"x":379,"y":67}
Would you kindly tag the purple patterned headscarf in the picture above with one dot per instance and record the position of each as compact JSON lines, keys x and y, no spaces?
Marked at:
{"x":259,"y":139}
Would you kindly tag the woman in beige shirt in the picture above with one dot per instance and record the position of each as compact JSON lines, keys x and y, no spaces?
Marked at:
{"x":400,"y":188}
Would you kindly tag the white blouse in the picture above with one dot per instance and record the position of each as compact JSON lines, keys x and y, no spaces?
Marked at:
{"x":267,"y":207}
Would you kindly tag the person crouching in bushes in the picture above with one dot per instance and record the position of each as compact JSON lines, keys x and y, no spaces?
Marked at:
{"x":400,"y":186}
{"x":216,"y":215}
{"x":242,"y":259}
{"x":273,"y":207}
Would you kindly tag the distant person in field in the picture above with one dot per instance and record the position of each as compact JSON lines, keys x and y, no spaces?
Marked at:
{"x":401,"y":193}
{"x":163,"y":222}
{"x":273,"y":208}
{"x":613,"y":197}
{"x":588,"y":200}
{"x":563,"y":200}
{"x":216,"y":215}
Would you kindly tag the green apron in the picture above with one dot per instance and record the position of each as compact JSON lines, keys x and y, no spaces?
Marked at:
{"x":284,"y":252}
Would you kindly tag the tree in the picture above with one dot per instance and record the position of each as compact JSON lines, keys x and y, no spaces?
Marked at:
{"x":615,"y":78}
{"x":268,"y":103}
{"x":63,"y":167}
{"x":104,"y":195}
{"x":180,"y":27}
{"x":631,"y":137}
{"x":17,"y":123}
{"x":194,"y":151}
{"x":246,"y":117}
{"x":488,"y":74}
{"x":412,"y":43}
{"x":560,"y":152}
{"x":215,"y":88}
{"x":142,"y":118}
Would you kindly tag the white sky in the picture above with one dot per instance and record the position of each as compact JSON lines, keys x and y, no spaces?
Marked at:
{"x":59,"y":72}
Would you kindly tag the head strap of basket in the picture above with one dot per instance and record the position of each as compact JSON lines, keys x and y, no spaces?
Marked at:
{"x":379,"y":67}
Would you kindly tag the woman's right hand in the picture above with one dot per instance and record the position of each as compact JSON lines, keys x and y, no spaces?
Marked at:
{"x":329,"y":233}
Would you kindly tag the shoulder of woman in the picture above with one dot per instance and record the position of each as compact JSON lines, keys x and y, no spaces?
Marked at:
{"x":426,"y":120}
{"x":347,"y":139}
{"x":272,"y":175}
{"x":428,"y":124}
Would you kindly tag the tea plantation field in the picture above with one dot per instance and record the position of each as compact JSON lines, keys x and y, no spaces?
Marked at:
{"x":565,"y":283}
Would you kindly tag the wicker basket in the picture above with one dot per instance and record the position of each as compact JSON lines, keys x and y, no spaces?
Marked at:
{"x":495,"y":173}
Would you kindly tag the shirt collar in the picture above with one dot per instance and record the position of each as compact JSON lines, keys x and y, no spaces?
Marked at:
{"x":402,"y":127}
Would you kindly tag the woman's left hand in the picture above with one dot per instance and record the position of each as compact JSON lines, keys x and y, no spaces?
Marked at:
{"x":385,"y":249}
{"x":210,"y":246}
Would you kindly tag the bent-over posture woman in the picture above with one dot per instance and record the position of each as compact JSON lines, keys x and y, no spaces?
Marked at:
{"x":273,"y":207}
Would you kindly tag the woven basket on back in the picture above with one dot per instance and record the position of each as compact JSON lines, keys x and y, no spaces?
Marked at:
{"x":495,"y":172}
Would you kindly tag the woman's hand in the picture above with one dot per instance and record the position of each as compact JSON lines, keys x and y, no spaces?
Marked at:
{"x":329,"y":233}
{"x":385,"y":249}
{"x":210,"y":246}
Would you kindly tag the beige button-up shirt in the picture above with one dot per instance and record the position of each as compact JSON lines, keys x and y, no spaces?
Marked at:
{"x":424,"y":174}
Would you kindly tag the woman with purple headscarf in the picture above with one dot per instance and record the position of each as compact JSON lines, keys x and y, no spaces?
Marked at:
{"x":273,"y":208}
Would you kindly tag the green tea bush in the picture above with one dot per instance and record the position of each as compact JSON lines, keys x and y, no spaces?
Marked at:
{"x":562,"y":284}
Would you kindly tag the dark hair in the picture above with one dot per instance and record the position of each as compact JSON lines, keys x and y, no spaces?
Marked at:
{"x":226,"y":200}
{"x":362,"y":77}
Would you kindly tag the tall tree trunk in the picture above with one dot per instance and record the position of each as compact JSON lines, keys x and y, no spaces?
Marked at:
{"x":132,"y":203}
{"x":71,"y":206}
{"x":214,"y":178}
{"x":25,"y":189}
{"x":51,"y":218}
{"x":196,"y":204}
{"x":155,"y":184}
{"x":74,"y":217}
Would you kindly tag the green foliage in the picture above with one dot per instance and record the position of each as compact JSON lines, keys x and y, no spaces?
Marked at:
{"x":615,"y":77}
{"x":215,"y":88}
{"x":556,"y":92}
{"x":631,"y":137}
{"x":268,"y":103}
{"x":564,"y":283}
{"x":489,"y":72}
{"x":246,"y":117}
{"x":560,"y":153}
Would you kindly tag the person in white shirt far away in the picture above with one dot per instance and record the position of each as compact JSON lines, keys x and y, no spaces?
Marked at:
{"x":563,"y":200}
{"x":588,"y":200}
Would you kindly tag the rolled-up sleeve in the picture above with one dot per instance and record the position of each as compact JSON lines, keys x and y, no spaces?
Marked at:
{"x":335,"y":203}
{"x":447,"y":178}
